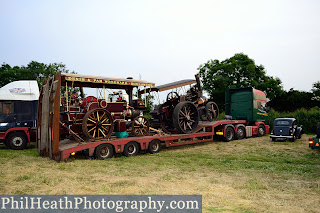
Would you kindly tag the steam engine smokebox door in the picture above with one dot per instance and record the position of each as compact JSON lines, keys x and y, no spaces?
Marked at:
{"x":120,"y":126}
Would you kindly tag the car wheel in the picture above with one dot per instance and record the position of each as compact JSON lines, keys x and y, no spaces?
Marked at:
{"x":292,"y":139}
{"x":273,"y":139}
{"x":17,"y":141}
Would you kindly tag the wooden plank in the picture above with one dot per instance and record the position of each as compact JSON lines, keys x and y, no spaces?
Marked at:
{"x":44,"y":119}
{"x":50,"y":116}
{"x":39,"y":112}
{"x":56,"y":115}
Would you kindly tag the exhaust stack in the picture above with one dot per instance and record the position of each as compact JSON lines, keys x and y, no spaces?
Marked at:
{"x":199,"y":85}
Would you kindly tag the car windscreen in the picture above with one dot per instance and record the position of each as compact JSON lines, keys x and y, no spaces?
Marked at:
{"x":282,"y":123}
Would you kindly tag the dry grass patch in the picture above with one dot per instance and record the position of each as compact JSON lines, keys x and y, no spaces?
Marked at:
{"x":251,"y":175}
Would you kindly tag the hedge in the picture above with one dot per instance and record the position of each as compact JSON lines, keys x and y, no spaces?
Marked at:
{"x":307,"y":118}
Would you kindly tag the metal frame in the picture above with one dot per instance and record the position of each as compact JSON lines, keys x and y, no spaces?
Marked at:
{"x":210,"y":130}
{"x":48,"y":125}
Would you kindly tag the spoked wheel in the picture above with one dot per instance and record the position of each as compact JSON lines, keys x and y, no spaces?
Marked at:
{"x":212,"y":111}
{"x":140,"y":126}
{"x":97,"y":124}
{"x":172,"y":96}
{"x":185,"y":117}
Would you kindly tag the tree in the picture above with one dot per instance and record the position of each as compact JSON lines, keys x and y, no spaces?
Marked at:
{"x":316,"y":91}
{"x":293,"y":100}
{"x":236,"y":72}
{"x":33,"y":71}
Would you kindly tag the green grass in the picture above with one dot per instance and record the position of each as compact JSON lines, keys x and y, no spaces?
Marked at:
{"x":251,"y":175}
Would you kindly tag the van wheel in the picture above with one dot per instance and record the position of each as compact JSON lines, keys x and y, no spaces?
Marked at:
{"x":261,"y":131}
{"x":17,"y":141}
{"x":229,"y":134}
{"x":154,"y":146}
{"x":131,"y":149}
{"x":104,"y":151}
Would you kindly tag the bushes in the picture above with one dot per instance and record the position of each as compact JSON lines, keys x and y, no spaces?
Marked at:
{"x":307,"y":118}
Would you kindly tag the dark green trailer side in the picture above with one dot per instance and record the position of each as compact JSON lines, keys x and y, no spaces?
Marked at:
{"x":246,"y":104}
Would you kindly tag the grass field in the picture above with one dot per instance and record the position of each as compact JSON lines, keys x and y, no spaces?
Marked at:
{"x":251,"y":175}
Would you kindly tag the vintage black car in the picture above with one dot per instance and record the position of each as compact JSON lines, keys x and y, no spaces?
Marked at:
{"x":286,"y":128}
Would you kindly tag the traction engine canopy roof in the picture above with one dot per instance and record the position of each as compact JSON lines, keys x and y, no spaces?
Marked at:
{"x":99,"y":81}
{"x":172,"y":85}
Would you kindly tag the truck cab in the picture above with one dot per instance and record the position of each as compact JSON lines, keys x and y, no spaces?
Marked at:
{"x":18,"y":111}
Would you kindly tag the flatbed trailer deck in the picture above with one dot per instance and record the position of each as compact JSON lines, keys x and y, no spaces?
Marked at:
{"x":206,"y":132}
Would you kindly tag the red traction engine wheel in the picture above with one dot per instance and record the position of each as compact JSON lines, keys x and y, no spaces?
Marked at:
{"x":97,"y":124}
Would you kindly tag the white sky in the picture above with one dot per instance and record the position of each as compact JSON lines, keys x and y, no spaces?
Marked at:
{"x":164,"y":40}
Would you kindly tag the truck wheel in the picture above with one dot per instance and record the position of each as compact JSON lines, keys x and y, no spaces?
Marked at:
{"x":154,"y":146}
{"x":185,"y":117}
{"x":240,"y":133}
{"x":261,"y":131}
{"x":229,"y":135}
{"x":17,"y":141}
{"x":104,"y":151}
{"x":131,"y":149}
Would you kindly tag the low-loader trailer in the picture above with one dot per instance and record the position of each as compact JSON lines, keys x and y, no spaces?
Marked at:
{"x":245,"y":107}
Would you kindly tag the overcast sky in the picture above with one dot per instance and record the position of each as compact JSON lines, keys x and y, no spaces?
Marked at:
{"x":164,"y":40}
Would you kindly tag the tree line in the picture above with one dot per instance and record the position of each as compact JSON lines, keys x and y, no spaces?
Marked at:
{"x":241,"y":71}
{"x":217,"y":76}
{"x":33,"y":71}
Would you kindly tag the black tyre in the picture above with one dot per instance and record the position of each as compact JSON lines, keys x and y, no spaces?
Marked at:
{"x":299,"y":135}
{"x":131,"y":149}
{"x":261,"y":131}
{"x":229,"y":135}
{"x":292,"y":139}
{"x":273,"y":139}
{"x":154,"y":146}
{"x":185,"y":117}
{"x":17,"y":141}
{"x":104,"y":151}
{"x":318,"y":130}
{"x":212,"y":111}
{"x":241,"y":133}
{"x":6,"y":143}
